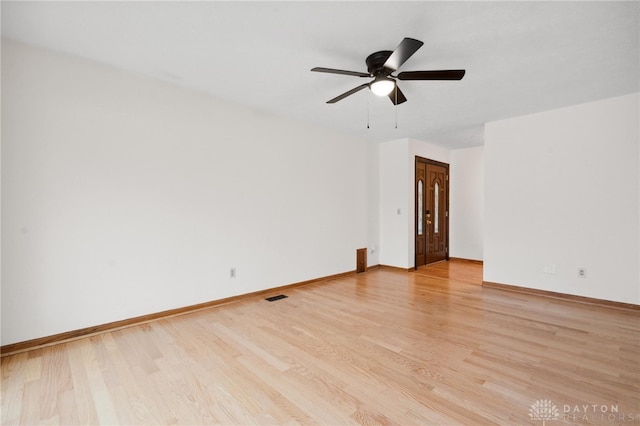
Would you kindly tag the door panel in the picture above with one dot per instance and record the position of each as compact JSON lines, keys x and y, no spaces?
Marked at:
{"x":436,"y":213}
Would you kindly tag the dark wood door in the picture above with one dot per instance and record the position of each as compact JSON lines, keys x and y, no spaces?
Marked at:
{"x":432,"y":211}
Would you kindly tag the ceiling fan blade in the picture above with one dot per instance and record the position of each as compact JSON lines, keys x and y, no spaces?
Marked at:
{"x":406,"y":48}
{"x":343,"y":72}
{"x":345,"y":94}
{"x":432,"y":75}
{"x":397,"y":97}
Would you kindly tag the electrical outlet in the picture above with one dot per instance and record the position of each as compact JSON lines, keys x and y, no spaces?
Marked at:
{"x":232,"y":273}
{"x":582,"y":272}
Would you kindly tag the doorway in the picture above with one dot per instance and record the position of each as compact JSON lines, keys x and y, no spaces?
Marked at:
{"x":432,"y":211}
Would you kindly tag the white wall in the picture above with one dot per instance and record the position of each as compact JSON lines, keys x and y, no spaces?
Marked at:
{"x":124,"y":196}
{"x":562,"y":192}
{"x":394,"y":211}
{"x":373,"y":203}
{"x":397,"y":214}
{"x":466,"y":203}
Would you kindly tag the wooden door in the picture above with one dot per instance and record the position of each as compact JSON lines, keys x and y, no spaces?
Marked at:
{"x":432,"y":211}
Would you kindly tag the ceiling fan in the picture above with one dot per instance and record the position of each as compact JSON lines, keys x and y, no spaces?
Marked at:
{"x":381,"y":66}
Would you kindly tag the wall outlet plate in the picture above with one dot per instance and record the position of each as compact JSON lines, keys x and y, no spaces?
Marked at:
{"x":582,"y":272}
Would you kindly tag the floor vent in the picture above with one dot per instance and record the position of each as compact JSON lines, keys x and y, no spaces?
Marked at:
{"x":274,"y":298}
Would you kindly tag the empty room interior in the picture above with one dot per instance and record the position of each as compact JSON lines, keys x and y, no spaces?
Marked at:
{"x":320,"y":212}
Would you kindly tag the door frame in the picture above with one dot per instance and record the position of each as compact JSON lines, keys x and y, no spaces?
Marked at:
{"x":415,"y":205}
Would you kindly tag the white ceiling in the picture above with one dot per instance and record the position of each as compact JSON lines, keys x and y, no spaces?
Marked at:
{"x":520,"y":57}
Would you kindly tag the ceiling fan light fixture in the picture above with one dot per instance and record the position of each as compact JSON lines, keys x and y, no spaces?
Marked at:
{"x":382,"y":86}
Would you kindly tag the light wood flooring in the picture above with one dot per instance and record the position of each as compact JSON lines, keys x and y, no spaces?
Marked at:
{"x":382,"y":347}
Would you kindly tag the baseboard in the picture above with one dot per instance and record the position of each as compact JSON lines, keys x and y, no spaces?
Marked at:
{"x":29,"y":345}
{"x":462,"y":259}
{"x":564,"y":296}
{"x":396,"y":268}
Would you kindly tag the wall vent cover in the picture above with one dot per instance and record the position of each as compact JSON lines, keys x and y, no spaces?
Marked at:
{"x":274,"y":298}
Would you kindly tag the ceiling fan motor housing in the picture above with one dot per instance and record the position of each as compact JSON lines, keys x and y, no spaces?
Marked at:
{"x":375,"y":63}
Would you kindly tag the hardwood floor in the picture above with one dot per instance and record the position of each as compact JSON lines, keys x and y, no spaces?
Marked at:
{"x":383,"y":347}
